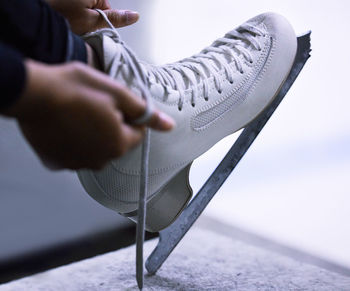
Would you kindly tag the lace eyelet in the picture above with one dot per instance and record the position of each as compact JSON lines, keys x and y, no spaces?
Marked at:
{"x":179,"y":108}
{"x":206,"y":99}
{"x":193,"y":105}
{"x":242,"y":72}
{"x":220,"y":91}
{"x":231,"y":82}
{"x":251,"y":62}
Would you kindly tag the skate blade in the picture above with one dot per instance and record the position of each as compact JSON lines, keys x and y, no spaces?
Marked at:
{"x":172,"y":235}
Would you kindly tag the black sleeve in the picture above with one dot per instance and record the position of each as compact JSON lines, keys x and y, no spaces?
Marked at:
{"x":39,"y":32}
{"x":12,"y":75}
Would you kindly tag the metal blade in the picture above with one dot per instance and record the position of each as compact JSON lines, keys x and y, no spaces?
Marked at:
{"x":171,"y":236}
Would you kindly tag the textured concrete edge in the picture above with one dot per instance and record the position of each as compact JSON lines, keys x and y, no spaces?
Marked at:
{"x":205,"y":260}
{"x":234,"y":232}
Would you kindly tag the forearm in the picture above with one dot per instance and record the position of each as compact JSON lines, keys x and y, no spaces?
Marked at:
{"x":39,"y":32}
{"x":16,"y":74}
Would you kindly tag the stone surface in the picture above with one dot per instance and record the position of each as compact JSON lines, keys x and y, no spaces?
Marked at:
{"x":204,"y":260}
{"x":43,"y":212}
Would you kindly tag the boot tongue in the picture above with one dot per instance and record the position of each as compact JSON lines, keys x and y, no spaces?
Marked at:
{"x":104,"y":48}
{"x":111,"y":52}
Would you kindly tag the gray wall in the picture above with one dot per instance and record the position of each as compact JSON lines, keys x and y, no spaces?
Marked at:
{"x":137,"y":35}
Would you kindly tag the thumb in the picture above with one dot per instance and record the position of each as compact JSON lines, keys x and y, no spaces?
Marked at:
{"x":118,"y":18}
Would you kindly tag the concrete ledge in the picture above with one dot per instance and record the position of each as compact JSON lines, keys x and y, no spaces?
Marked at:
{"x":204,"y":260}
{"x":46,"y":218}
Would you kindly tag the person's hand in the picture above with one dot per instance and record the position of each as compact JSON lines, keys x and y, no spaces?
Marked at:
{"x":83,"y":18}
{"x":76,"y":117}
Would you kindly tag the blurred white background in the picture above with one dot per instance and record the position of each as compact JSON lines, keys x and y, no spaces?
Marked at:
{"x":293,"y":186}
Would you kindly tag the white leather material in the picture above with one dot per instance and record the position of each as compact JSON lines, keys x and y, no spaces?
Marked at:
{"x":197,"y":128}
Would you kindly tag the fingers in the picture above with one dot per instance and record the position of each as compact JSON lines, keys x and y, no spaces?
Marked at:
{"x":132,"y":136}
{"x":161,"y":121}
{"x":132,"y":106}
{"x":119,"y":18}
{"x":103,"y":5}
{"x":125,"y":138}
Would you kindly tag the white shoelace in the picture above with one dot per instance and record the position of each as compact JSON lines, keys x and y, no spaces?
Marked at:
{"x":198,"y":68}
{"x":141,"y":80}
{"x":193,"y":72}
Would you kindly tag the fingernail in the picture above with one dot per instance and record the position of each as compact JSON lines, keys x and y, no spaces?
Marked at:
{"x":166,"y":122}
{"x":131,"y":16}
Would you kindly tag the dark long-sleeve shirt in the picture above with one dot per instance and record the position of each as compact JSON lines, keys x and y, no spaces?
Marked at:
{"x":32,"y":29}
{"x":12,"y":75}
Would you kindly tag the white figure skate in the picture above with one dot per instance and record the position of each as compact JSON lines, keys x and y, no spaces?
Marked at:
{"x":210,"y":95}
